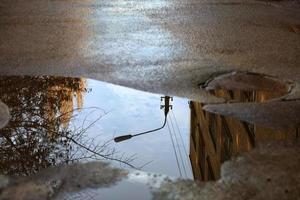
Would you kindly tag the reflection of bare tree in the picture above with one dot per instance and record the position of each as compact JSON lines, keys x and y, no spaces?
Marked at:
{"x":85,"y":147}
{"x":31,"y":140}
{"x":39,"y":134}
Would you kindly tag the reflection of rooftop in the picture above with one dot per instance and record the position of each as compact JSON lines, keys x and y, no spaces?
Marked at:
{"x":215,"y":138}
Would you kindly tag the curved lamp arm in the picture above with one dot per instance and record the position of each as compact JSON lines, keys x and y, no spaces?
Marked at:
{"x":127,"y":137}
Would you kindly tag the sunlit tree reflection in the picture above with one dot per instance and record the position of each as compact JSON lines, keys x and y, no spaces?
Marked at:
{"x":41,"y":133}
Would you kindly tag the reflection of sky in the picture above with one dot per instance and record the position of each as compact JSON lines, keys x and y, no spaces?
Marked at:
{"x":132,"y":111}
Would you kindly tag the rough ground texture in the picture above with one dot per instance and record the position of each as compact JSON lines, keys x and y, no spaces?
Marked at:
{"x":163,"y":46}
{"x":274,"y":114}
{"x":48,"y":183}
{"x":271,"y":171}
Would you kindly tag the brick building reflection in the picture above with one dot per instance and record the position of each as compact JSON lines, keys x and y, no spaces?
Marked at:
{"x":216,"y":138}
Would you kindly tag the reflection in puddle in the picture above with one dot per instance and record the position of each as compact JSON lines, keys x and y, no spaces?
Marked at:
{"x":58,"y":120}
{"x":216,"y":138}
{"x":247,"y":87}
{"x":41,"y":110}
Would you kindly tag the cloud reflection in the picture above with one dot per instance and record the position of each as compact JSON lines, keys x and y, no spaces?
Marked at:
{"x":133,"y":111}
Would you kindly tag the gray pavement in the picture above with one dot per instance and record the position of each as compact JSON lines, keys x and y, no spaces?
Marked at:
{"x":161,"y":46}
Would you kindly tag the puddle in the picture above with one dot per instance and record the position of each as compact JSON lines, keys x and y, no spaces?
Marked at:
{"x":218,"y":133}
{"x":58,"y":121}
{"x":247,"y":87}
{"x":138,"y":185}
{"x":54,"y":117}
{"x":256,"y":99}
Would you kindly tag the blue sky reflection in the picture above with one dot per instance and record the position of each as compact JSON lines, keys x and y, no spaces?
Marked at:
{"x":132,"y":111}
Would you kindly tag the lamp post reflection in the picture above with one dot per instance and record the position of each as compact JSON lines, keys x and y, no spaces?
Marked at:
{"x":166,"y":108}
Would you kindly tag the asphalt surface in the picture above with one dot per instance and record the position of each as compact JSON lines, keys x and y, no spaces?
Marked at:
{"x":161,"y":46}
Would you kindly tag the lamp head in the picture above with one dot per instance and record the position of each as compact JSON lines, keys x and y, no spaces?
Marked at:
{"x":122,"y":138}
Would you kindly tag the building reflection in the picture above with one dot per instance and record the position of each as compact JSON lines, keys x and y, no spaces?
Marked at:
{"x":216,"y":138}
{"x":37,"y":135}
{"x":50,"y":125}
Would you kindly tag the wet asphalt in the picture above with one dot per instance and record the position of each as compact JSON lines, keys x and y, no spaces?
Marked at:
{"x":161,"y":46}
